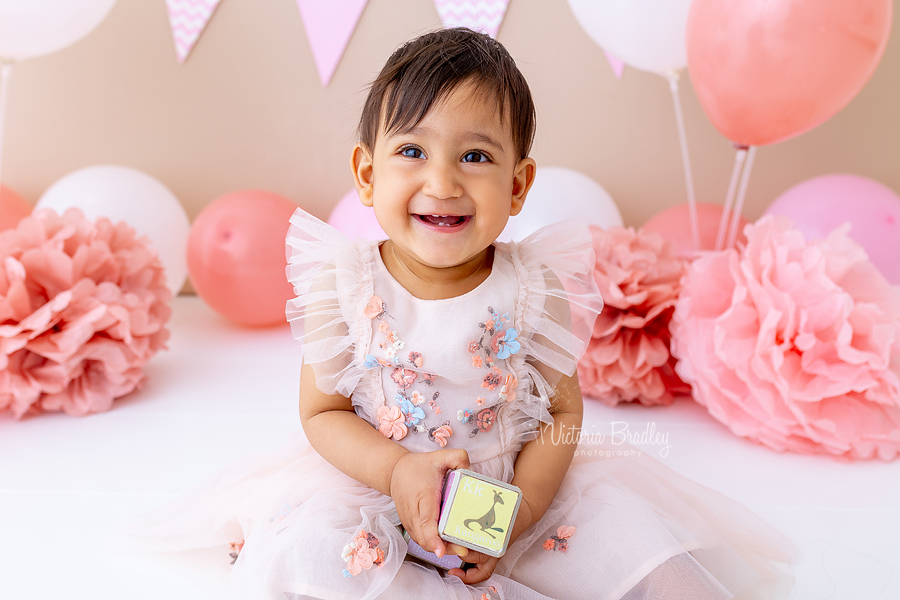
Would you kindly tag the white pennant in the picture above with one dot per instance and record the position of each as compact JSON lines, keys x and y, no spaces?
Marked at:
{"x":188,"y":19}
{"x":478,"y":15}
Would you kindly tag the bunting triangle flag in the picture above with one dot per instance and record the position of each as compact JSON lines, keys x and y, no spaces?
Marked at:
{"x":617,"y":64}
{"x":188,"y":19}
{"x":329,"y":26}
{"x":479,"y":15}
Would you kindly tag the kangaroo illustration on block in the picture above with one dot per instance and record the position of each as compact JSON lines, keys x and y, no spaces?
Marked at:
{"x":486,"y":522}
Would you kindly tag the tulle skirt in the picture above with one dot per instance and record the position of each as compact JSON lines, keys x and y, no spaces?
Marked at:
{"x":642,"y":531}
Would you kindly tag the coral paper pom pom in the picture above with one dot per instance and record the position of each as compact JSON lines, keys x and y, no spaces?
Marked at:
{"x":628,"y":358}
{"x":793,"y":344}
{"x":83,"y":307}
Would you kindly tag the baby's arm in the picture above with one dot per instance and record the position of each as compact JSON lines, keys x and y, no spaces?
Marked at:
{"x":349,"y":443}
{"x":539,"y":470}
{"x":542,"y":463}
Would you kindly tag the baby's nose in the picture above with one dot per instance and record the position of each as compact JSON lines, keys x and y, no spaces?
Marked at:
{"x":441,"y":182}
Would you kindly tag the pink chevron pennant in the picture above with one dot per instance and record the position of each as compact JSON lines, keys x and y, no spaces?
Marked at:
{"x":480,"y":15}
{"x":188,"y":19}
{"x":329,"y":27}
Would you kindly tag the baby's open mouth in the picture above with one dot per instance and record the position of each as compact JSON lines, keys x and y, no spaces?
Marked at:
{"x":443,"y":220}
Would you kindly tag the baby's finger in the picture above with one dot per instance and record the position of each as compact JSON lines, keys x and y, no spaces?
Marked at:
{"x":433,"y":541}
{"x":455,"y":458}
{"x":457,"y":550}
{"x":476,"y":574}
{"x":477,"y":558}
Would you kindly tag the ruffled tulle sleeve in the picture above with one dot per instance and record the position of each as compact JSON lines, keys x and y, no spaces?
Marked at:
{"x":330,"y":277}
{"x":557,"y":304}
{"x":558,"y":297}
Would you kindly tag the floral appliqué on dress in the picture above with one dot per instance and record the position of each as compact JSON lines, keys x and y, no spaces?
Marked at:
{"x":409,"y":413}
{"x":497,"y":342}
{"x":235,"y":548}
{"x":560,"y":541}
{"x":489,"y":595}
{"x":362,"y":554}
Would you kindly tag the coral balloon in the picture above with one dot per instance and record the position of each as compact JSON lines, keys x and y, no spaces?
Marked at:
{"x":822,"y":204}
{"x":354,"y":220}
{"x":236,"y":256}
{"x":559,"y":194}
{"x":13,"y":208}
{"x":647,"y":34}
{"x":769,"y":70}
{"x":125,"y":194}
{"x":674,"y":225}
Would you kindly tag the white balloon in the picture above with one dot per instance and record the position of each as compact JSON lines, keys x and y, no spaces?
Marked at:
{"x":559,"y":194}
{"x":125,"y":194}
{"x":647,"y":34}
{"x":36,"y":27}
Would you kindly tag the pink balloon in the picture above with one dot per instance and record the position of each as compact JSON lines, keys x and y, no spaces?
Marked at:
{"x":768,"y":70}
{"x":13,"y":208}
{"x":236,"y":256}
{"x":820,"y":205}
{"x":354,"y":220}
{"x":674,"y":224}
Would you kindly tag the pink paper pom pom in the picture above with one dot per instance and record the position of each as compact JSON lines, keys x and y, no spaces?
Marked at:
{"x":628,"y":359}
{"x":795,"y":345}
{"x":83,"y":307}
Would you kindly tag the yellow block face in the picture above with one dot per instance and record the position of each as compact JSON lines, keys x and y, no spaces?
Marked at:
{"x":481,"y":513}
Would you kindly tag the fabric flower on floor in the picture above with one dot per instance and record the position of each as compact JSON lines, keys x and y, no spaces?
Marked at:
{"x":794,"y":344}
{"x":83,"y":306}
{"x":628,"y":358}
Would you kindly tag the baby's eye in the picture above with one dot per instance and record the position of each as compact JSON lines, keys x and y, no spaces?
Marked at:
{"x":475,"y":156}
{"x":412,"y":152}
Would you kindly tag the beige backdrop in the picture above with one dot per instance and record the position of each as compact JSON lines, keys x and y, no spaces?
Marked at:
{"x":246,"y":110}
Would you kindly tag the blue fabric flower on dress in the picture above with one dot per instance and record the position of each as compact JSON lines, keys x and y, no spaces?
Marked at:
{"x":508,"y":344}
{"x":371,"y":362}
{"x":411,"y":412}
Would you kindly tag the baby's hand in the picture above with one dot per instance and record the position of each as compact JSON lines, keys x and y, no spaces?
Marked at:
{"x":482,"y":569}
{"x":416,"y":489}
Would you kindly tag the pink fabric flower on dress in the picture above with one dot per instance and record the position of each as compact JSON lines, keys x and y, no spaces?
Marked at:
{"x":508,"y":391}
{"x":391,"y":422}
{"x":560,"y":541}
{"x":794,"y":344}
{"x":628,"y":358}
{"x":403,"y":377}
{"x":359,"y":556}
{"x":83,"y":306}
{"x":492,"y":379}
{"x":416,"y":359}
{"x":440,"y":434}
{"x":374,"y":308}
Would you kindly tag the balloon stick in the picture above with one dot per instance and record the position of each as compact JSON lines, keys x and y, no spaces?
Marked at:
{"x":686,"y":161}
{"x":739,"y":157}
{"x":5,"y":72}
{"x":742,"y":193}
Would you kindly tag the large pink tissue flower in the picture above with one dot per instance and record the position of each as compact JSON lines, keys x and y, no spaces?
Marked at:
{"x":628,"y":359}
{"x":83,"y":306}
{"x":794,"y":344}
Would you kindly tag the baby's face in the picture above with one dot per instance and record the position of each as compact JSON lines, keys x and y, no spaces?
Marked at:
{"x":444,"y":191}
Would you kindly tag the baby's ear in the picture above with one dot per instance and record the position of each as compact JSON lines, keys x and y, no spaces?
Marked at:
{"x":522,"y":180}
{"x":363,"y":175}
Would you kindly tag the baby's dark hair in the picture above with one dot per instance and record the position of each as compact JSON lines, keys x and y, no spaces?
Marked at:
{"x":428,"y":68}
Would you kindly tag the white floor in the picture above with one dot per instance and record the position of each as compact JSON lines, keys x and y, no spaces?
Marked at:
{"x":221,"y":392}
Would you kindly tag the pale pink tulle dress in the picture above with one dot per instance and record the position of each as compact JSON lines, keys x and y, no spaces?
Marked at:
{"x":468,"y":372}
